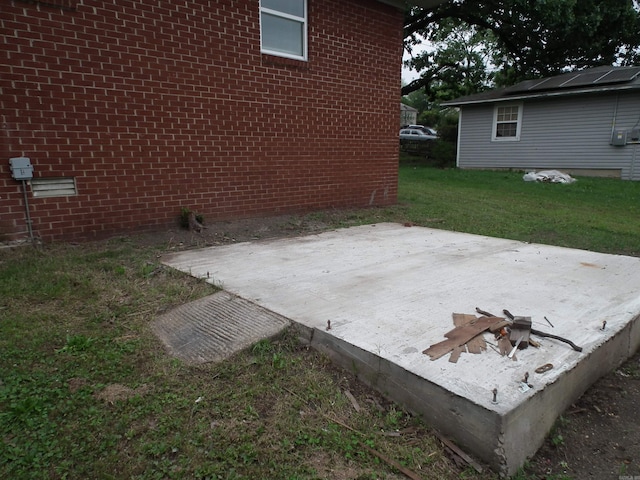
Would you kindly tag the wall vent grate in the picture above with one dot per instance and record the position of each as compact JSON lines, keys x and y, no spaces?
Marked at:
{"x":54,"y":187}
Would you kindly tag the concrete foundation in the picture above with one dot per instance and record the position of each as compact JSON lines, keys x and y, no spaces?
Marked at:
{"x":389,"y":292}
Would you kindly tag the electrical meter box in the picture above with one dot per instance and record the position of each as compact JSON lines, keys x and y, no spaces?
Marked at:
{"x":634,"y":135}
{"x":21,"y":168}
{"x":619,"y":137}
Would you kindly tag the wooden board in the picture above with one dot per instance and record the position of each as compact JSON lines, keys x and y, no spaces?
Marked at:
{"x":455,"y":354}
{"x":460,"y":335}
{"x":475,"y":345}
{"x":460,"y":319}
{"x":499,"y":325}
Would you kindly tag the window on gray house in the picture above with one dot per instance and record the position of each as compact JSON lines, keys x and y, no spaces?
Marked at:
{"x":283,"y":28}
{"x":507,"y":120}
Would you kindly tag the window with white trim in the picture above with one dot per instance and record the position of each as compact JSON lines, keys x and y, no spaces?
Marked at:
{"x":283,"y":28}
{"x":507,"y":120}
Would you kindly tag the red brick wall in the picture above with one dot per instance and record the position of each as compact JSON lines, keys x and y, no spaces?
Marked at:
{"x":154,"y":105}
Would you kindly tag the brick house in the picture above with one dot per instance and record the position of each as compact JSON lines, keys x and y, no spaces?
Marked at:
{"x":131,"y":110}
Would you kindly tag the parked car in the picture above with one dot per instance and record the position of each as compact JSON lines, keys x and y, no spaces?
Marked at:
{"x":416,"y":134}
{"x":427,"y":130}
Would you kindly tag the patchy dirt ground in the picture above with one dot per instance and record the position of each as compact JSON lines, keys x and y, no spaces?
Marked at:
{"x":598,"y":437}
{"x":242,"y":230}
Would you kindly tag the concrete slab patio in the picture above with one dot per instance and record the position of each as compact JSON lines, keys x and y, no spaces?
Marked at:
{"x":389,"y":292}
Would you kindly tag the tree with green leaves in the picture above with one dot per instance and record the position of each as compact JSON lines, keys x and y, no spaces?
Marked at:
{"x":476,"y":44}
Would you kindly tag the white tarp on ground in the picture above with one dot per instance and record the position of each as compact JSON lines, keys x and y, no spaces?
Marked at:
{"x":548,"y":176}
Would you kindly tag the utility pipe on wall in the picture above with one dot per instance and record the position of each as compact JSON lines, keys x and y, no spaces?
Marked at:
{"x":26,"y":207}
{"x":22,"y":170}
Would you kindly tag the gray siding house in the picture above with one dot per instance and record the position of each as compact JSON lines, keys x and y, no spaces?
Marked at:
{"x":408,"y":115}
{"x":584,"y":123}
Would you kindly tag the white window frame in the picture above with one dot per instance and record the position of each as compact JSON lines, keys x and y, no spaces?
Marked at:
{"x":295,"y":18}
{"x":494,"y":134}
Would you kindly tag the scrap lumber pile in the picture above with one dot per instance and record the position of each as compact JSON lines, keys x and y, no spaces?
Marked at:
{"x":466,"y":336}
{"x":511,"y":333}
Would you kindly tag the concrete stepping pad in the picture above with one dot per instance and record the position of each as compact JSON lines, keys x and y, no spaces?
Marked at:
{"x":215,"y":327}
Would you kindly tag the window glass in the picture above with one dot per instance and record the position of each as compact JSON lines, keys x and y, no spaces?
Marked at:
{"x":507,"y":114}
{"x":507,"y":120}
{"x":282,"y":35}
{"x":292,"y":7}
{"x":283,"y":26}
{"x":506,"y":129}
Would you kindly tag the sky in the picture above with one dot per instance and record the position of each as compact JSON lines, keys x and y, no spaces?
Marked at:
{"x":407,"y":74}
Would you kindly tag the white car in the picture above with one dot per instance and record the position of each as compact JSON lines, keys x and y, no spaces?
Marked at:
{"x":427,"y":130}
{"x":416,"y":134}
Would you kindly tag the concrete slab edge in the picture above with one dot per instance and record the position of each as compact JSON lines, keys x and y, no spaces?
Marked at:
{"x":503,"y":442}
{"x":466,"y":423}
{"x":530,"y":423}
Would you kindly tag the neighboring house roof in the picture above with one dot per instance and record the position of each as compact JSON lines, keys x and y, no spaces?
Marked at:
{"x":598,"y":79}
{"x":407,"y":108}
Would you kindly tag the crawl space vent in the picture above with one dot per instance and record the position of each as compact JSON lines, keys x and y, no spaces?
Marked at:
{"x":54,"y":187}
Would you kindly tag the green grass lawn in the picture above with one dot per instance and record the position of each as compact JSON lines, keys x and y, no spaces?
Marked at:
{"x":86,"y":391}
{"x":596,"y":214}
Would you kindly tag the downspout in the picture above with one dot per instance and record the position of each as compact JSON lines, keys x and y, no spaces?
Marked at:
{"x":635,"y":153}
{"x":633,"y":162}
{"x":459,"y":136}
